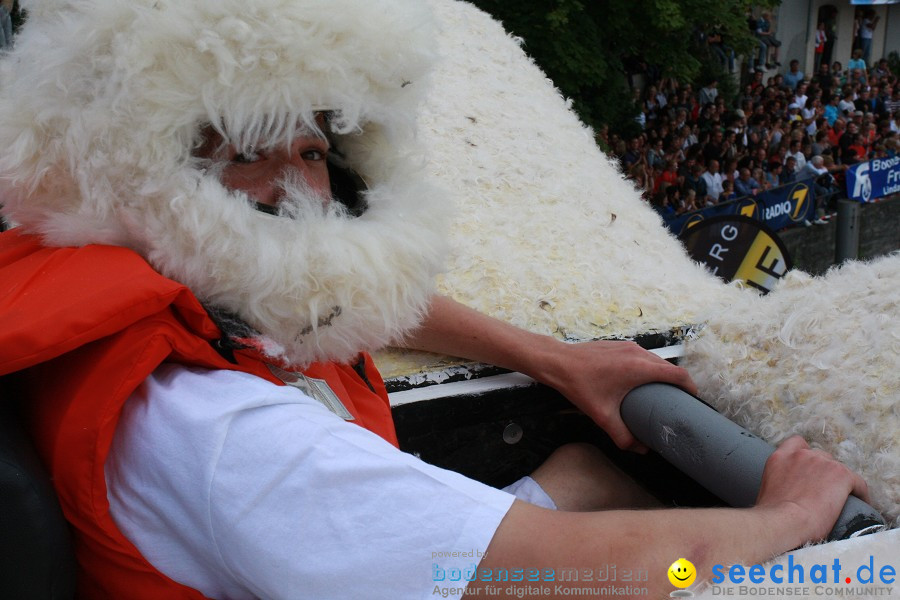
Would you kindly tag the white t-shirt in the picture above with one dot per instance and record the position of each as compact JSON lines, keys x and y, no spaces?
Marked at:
{"x":713,"y":184}
{"x":240,"y":488}
{"x":867,"y":30}
{"x":800,"y":158}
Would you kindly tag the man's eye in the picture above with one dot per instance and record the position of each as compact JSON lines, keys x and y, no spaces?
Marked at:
{"x":314,"y":155}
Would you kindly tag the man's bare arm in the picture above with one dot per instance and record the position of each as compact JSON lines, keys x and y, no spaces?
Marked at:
{"x":595,"y":376}
{"x":802,"y":494}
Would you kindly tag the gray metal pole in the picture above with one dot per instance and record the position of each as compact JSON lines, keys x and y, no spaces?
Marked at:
{"x":846,"y":245}
{"x":718,"y":454}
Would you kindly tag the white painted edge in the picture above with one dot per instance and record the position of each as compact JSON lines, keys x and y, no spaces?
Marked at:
{"x":483,"y":385}
{"x":461,"y":388}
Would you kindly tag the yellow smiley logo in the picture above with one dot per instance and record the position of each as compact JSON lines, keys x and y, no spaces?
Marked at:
{"x":682,"y":573}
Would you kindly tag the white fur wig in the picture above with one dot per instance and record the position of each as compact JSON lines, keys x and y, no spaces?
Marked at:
{"x":102,"y":104}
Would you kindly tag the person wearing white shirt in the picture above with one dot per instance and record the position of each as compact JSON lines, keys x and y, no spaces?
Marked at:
{"x":713,"y":180}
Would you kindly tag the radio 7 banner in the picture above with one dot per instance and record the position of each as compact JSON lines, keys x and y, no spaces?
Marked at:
{"x":777,"y":208}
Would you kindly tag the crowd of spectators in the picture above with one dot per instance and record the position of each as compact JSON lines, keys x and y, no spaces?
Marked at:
{"x":696,"y":150}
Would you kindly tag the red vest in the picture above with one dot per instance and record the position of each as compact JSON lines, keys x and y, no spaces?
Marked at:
{"x":87,"y":326}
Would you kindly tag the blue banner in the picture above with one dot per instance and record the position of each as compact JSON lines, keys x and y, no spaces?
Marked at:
{"x":874,"y":179}
{"x":777,"y":208}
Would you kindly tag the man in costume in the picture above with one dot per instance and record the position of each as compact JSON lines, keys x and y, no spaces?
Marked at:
{"x":193,"y":287}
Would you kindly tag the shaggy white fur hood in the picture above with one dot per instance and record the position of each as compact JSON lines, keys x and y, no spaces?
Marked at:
{"x":102,"y":103}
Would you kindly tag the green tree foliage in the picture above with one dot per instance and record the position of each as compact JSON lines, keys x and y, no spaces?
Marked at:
{"x":588,"y":48}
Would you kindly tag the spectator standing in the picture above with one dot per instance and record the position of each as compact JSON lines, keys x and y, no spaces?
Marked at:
{"x":656,"y":159}
{"x":793,"y":115}
{"x":660,"y":203}
{"x":789,"y":173}
{"x":866,"y":31}
{"x":652,"y":105}
{"x":759,"y":176}
{"x":794,"y":74}
{"x":694,"y":181}
{"x":709,"y":93}
{"x":730,"y":172}
{"x":800,"y":96}
{"x":776,"y":133}
{"x":845,"y":154}
{"x":836,"y":133}
{"x":810,"y":114}
{"x":633,"y":155}
{"x":713,"y":148}
{"x":689,"y":202}
{"x":863,"y":102}
{"x":857,"y":61}
{"x":882,"y":69}
{"x":831,"y":30}
{"x":773,"y":175}
{"x":857,"y":150}
{"x":668,"y":178}
{"x":893,"y":105}
{"x":673,"y":199}
{"x":837,"y":71}
{"x":832,"y":110}
{"x":837,"y":173}
{"x":638,"y":174}
{"x":824,"y":79}
{"x":713,"y":179}
{"x":880,"y":101}
{"x":847,"y":106}
{"x":816,"y":171}
{"x":820,"y":143}
{"x":813,"y":169}
{"x":821,"y":40}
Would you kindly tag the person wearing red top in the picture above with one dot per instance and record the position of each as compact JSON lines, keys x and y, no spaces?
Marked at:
{"x":668,"y":176}
{"x":836,"y":132}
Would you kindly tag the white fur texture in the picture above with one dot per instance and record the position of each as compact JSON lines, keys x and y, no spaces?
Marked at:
{"x":101,"y":105}
{"x":818,"y":357}
{"x":548,"y":235}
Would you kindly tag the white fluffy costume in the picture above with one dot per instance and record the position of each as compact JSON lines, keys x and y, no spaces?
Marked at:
{"x":102,"y":103}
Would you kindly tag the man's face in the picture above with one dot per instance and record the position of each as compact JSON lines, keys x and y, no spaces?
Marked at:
{"x":259,"y":174}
